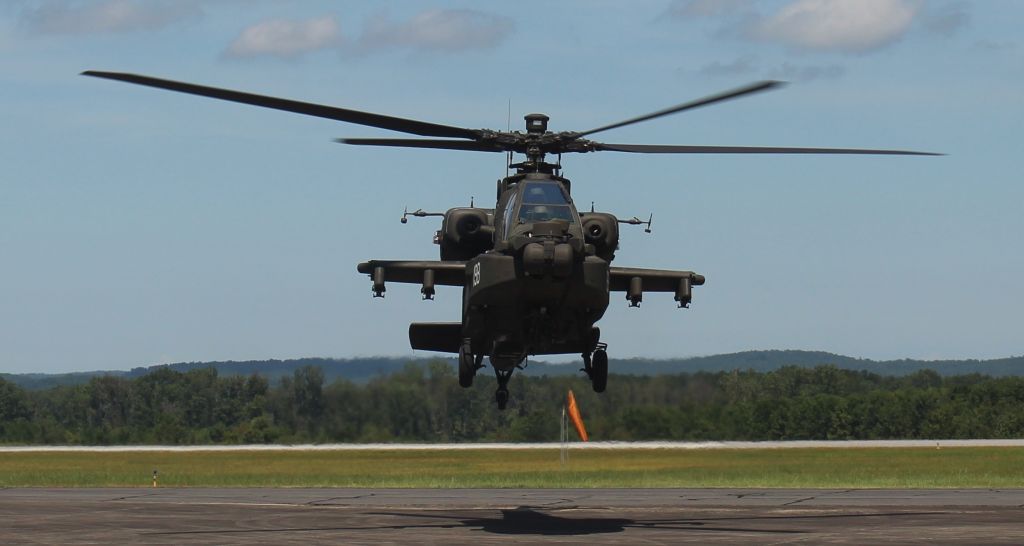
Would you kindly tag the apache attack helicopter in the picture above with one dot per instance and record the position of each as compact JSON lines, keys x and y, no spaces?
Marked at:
{"x":535,"y":272}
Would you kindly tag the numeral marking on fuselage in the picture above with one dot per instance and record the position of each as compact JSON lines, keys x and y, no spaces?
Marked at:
{"x":476,"y":273}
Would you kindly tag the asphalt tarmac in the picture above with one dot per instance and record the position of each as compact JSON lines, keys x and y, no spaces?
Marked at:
{"x":485,"y":516}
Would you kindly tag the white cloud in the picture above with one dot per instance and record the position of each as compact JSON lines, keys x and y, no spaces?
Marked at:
{"x":286,"y":39}
{"x":801,"y":72}
{"x":707,"y":8}
{"x":992,"y":45}
{"x":851,"y":26}
{"x":948,"y":19}
{"x":107,"y":16}
{"x":434,"y":30}
{"x":446,"y":30}
{"x":746,"y":64}
{"x":787,"y":71}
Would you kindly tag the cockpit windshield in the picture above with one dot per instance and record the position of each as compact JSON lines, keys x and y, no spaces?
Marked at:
{"x":544,"y":201}
{"x":543,"y":193}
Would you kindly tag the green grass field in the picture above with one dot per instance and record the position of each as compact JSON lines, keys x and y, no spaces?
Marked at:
{"x":823,"y":468}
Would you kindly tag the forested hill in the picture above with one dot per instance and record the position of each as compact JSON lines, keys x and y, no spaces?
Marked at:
{"x":764,"y":361}
{"x":362,"y":369}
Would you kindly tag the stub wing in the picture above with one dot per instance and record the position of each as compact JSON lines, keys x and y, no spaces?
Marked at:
{"x":426,"y":273}
{"x":632,"y":280}
{"x":635,"y":281}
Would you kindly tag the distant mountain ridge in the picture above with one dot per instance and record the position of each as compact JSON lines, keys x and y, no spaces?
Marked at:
{"x":363,"y":369}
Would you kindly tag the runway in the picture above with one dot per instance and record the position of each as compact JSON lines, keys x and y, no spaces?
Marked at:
{"x":784,"y":444}
{"x":445,"y":516}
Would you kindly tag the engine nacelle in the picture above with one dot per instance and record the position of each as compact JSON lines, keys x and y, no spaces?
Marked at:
{"x":601,"y":229}
{"x":466,"y":232}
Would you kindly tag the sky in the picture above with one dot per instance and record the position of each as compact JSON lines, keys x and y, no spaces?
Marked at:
{"x":140,"y":226}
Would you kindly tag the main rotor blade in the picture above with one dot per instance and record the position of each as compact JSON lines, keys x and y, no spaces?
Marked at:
{"x":423,"y":143}
{"x":746,"y":90}
{"x":317,"y":110}
{"x":670,"y":149}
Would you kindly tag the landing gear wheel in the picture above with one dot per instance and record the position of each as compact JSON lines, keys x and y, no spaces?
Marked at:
{"x":467,"y":366}
{"x":599,"y":370}
{"x":501,"y":395}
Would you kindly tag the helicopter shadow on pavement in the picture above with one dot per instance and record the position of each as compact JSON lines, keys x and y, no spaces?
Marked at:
{"x":526,"y":520}
{"x":536,"y":521}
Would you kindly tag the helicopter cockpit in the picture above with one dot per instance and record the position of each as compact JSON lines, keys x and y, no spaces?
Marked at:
{"x":544,"y":201}
{"x":534,"y":201}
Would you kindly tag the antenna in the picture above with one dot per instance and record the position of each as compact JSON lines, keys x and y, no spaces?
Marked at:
{"x":508,"y":128}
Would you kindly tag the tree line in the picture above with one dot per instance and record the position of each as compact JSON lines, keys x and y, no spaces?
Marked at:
{"x":423,"y":403}
{"x":362,"y":369}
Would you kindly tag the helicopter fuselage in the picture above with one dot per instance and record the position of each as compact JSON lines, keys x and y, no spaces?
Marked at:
{"x":541,"y":288}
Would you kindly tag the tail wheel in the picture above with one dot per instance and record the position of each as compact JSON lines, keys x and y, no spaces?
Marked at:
{"x":467,"y":366}
{"x":599,"y":370}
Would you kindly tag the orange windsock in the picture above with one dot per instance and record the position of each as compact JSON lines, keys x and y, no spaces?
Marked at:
{"x":574,"y":414}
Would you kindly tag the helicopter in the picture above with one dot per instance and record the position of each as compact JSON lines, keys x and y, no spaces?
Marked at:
{"x":535,"y":271}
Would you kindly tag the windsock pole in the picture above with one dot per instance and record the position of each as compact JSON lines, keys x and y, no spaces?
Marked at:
{"x":564,"y":438}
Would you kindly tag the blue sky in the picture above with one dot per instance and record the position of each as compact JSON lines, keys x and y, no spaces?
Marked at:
{"x":139,"y":226}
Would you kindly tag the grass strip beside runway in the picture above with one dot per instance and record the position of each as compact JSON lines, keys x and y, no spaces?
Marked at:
{"x":958,"y":467}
